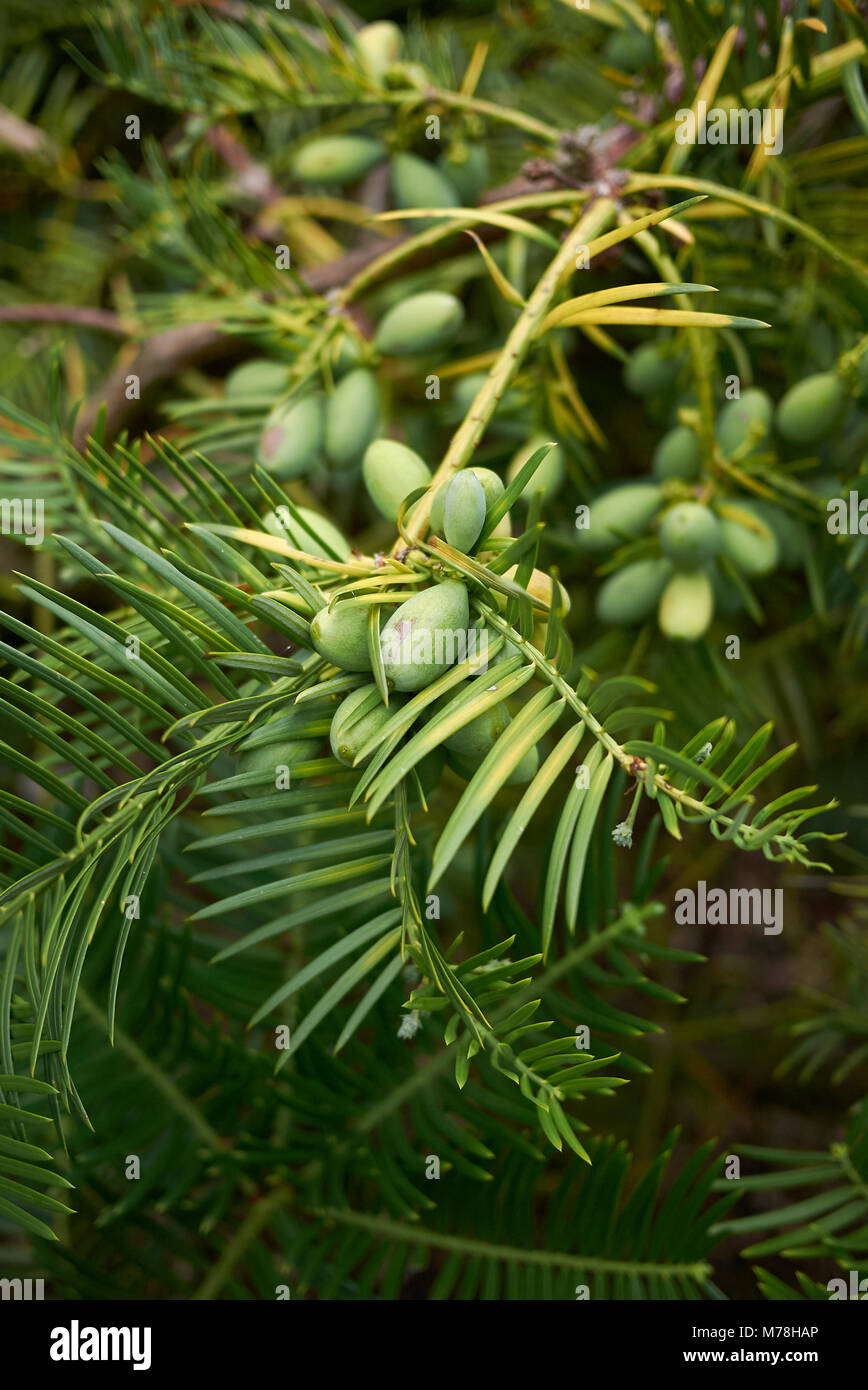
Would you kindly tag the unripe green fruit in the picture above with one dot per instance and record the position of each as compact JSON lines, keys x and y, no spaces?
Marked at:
{"x":326,"y":544}
{"x":686,"y":606}
{"x":337,"y":158}
{"x":789,"y":532}
{"x":380,"y":45}
{"x":750,"y":543}
{"x":346,"y":354}
{"x":391,"y":471}
{"x":525,"y":769}
{"x":469,"y":176}
{"x":418,"y":184}
{"x":348,"y":732}
{"x":429,"y":769}
{"x":267,"y":759}
{"x":811,"y":408}
{"x":464,"y":510}
{"x":492,"y":486}
{"x":260,"y":377}
{"x":549,"y":475}
{"x":689,"y":535}
{"x":651,"y":369}
{"x":632,"y":593}
{"x":352,"y":418}
{"x":629,"y":49}
{"x":622,"y":512}
{"x":422,"y":639}
{"x":420,"y":324}
{"x":678,"y":455}
{"x":292,"y":436}
{"x":753,"y":407}
{"x":539,"y":587}
{"x":476,"y":738}
{"x":341,"y":636}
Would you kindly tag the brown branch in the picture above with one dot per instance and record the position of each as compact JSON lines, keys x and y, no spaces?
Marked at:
{"x":80,"y":315}
{"x":168,"y":353}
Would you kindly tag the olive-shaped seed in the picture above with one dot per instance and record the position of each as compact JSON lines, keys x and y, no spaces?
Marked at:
{"x":628,"y":49}
{"x":492,"y":486}
{"x":420,"y":324}
{"x":259,"y":377}
{"x":678,"y":455}
{"x":686,"y":606}
{"x":418,"y":184}
{"x":751,"y":412}
{"x":327,"y":542}
{"x":525,"y":769}
{"x":631,"y":594}
{"x":380,"y":45}
{"x":391,"y":471}
{"x":619,"y":514}
{"x":352,"y":418}
{"x":689,"y":535}
{"x":426,"y":635}
{"x":341,"y":636}
{"x":337,"y":158}
{"x":464,"y":510}
{"x":350,"y":730}
{"x":292,"y":436}
{"x":473,"y":740}
{"x":651,"y":369}
{"x":748,"y":540}
{"x":811,"y":408}
{"x":549,"y":474}
{"x":467,"y":167}
{"x":539,"y":586}
{"x":268,"y":759}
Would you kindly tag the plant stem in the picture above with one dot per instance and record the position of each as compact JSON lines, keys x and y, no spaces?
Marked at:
{"x":469,"y":433}
{"x":484,"y":1249}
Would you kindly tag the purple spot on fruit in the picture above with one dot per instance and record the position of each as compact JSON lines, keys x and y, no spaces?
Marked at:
{"x":271,"y":440}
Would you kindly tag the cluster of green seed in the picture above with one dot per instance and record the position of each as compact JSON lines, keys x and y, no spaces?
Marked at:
{"x":418,"y":644}
{"x":693,"y":532}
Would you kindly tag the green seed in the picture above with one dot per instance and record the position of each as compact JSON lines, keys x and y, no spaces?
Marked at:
{"x":268,"y":759}
{"x":525,"y":770}
{"x":380,"y":45}
{"x":492,"y":486}
{"x":292,"y":436}
{"x":811,"y":409}
{"x":632,"y":593}
{"x":678,"y":456}
{"x":651,"y":369}
{"x":327,"y":542}
{"x":689,"y":535}
{"x":686,"y":606}
{"x":352,"y":418}
{"x":549,"y":475}
{"x":425,"y":636}
{"x":341,"y":636}
{"x":260,"y":377}
{"x":417,"y":184}
{"x":621,"y":513}
{"x":629,"y":49}
{"x":475,"y":739}
{"x":338,"y":158}
{"x":391,"y":471}
{"x":350,"y":731}
{"x":789,"y":532}
{"x":749,"y":541}
{"x":468,"y":174}
{"x":753,"y":408}
{"x":464,"y":510}
{"x":420,"y":324}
